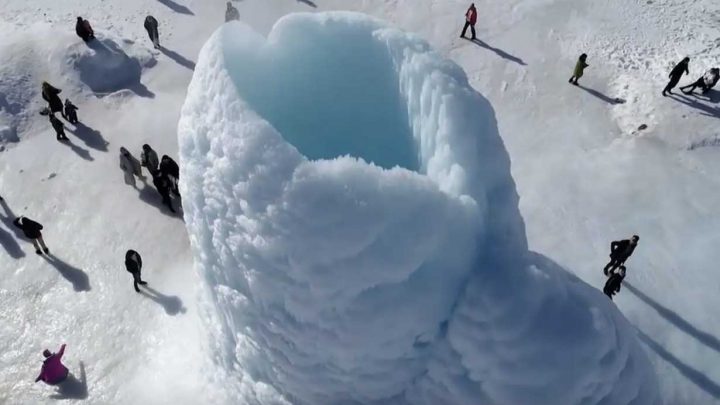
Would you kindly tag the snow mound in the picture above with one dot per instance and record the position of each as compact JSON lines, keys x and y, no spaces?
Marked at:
{"x":340,"y":276}
{"x":107,"y":64}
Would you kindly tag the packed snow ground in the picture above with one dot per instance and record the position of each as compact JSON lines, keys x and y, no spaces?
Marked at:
{"x":584,"y":177}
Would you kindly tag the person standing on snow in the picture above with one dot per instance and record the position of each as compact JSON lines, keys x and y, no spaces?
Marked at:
{"x":231,"y":13}
{"x":579,"y":69}
{"x":130,"y":166}
{"x":71,"y":112}
{"x":53,"y":372}
{"x":162,"y":184}
{"x":31,"y":230}
{"x":149,"y":159}
{"x":470,"y":20}
{"x":133,"y":264}
{"x":151,"y":26}
{"x":675,"y":75}
{"x":84,"y":30}
{"x":58,"y":126}
{"x":171,"y":171}
{"x":50,"y":94}
{"x":619,"y":252}
{"x":612,"y":286}
{"x":706,"y":82}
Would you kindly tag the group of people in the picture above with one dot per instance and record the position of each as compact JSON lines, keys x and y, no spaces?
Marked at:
{"x":620,"y":251}
{"x":68,"y":110}
{"x":165,"y":172}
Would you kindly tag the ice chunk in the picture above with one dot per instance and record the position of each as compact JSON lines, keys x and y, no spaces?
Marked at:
{"x":364,"y":256}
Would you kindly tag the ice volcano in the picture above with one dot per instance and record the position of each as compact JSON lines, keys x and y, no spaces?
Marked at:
{"x":351,"y":207}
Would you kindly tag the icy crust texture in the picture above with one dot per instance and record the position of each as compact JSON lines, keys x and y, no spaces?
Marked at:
{"x":351,"y":207}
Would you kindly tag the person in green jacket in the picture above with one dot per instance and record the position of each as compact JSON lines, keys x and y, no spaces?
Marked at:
{"x":579,"y":69}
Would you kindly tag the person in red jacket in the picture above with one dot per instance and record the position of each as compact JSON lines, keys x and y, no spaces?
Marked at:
{"x":53,"y":371}
{"x":470,"y":20}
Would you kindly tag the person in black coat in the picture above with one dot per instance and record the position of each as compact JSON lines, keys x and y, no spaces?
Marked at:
{"x":133,"y":264}
{"x":612,"y":286}
{"x":59,"y":128}
{"x":50,"y":94}
{"x":84,"y":30}
{"x":675,"y":75}
{"x":31,"y":230}
{"x":71,"y":112}
{"x":171,"y":171}
{"x":619,"y":252}
{"x":162,"y":184}
{"x":151,"y":26}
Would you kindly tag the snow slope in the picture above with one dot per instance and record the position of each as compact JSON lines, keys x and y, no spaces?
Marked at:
{"x":584,"y":178}
{"x":340,"y":282}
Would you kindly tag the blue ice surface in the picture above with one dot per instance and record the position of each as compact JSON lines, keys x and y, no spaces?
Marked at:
{"x":332,"y":99}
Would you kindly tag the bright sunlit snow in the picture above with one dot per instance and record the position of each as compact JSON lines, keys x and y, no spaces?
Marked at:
{"x":362,"y":209}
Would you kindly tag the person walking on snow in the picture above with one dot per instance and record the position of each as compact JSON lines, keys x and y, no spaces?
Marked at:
{"x":31,"y":230}
{"x":133,"y":264}
{"x":71,"y":112}
{"x":171,"y":171}
{"x":149,"y":159}
{"x":162,"y":184}
{"x":612,"y":286}
{"x":84,"y":30}
{"x":620,"y":251}
{"x":130,"y":166}
{"x":151,"y":26}
{"x":58,"y":126}
{"x":50,"y":94}
{"x":579,"y":69}
{"x":231,"y":13}
{"x":470,"y":20}
{"x":675,"y":75}
{"x":706,"y":82}
{"x":53,"y":372}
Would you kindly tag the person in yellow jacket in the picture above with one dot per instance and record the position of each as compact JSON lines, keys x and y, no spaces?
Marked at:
{"x":579,"y":69}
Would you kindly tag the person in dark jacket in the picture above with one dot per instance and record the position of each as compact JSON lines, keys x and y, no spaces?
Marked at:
{"x":84,"y":30}
{"x":151,"y":26}
{"x":31,"y":230}
{"x":133,"y":264}
{"x":171,"y":171}
{"x":612,"y":286}
{"x":149,"y":159}
{"x":58,"y":126}
{"x":675,"y":75}
{"x":231,"y":13}
{"x":470,"y":20}
{"x":50,"y":94}
{"x":619,"y":252}
{"x":71,"y":112}
{"x":162,"y":184}
{"x":706,"y":82}
{"x":579,"y":69}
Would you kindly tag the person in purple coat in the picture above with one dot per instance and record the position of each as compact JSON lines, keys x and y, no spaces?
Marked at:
{"x":53,"y":372}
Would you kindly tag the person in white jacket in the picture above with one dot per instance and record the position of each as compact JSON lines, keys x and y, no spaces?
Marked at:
{"x":130,"y":166}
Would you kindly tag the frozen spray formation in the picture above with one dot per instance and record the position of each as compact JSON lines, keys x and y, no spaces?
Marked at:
{"x":351,"y":207}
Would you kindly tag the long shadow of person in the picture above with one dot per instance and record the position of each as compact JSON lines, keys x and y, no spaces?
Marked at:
{"x":83,"y":153}
{"x":499,"y":52}
{"x":151,"y":196}
{"x":78,"y":278}
{"x":73,"y":387}
{"x":675,"y":319}
{"x":602,"y":96}
{"x":178,"y":8}
{"x":173,"y":305}
{"x":691,"y":102}
{"x":92,"y":138}
{"x":10,"y":244}
{"x":179,"y":59}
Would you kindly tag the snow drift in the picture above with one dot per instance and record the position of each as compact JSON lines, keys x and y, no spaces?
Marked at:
{"x":350,"y":204}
